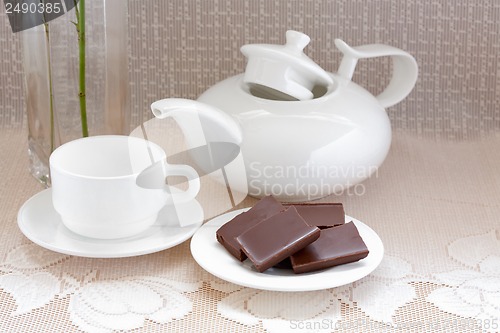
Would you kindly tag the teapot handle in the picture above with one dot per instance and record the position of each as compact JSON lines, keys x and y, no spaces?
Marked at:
{"x":404,"y":74}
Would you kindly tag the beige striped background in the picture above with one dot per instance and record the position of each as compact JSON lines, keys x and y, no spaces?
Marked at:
{"x":181,"y":47}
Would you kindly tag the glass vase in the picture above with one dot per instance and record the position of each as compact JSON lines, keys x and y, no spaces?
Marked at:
{"x":52,"y":63}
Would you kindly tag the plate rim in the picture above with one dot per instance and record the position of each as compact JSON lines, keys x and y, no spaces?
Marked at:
{"x":22,"y":225}
{"x":263,"y":283}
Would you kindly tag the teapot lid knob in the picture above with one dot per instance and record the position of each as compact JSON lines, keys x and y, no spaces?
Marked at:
{"x":296,"y":40}
{"x":284,"y":69}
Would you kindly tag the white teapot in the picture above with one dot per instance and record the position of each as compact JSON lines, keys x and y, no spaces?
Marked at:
{"x":303,"y":133}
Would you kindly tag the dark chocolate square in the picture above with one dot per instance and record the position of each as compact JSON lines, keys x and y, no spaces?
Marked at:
{"x":335,"y":246}
{"x":226,"y":234}
{"x":276,"y":238}
{"x":321,"y":215}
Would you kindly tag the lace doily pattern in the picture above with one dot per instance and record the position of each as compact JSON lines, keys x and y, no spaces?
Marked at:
{"x":440,"y":272}
{"x":466,"y":300}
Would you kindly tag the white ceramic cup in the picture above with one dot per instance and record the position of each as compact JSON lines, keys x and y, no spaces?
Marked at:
{"x":95,"y":186}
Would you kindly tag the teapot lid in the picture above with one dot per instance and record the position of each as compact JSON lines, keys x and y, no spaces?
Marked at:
{"x":284,"y":68}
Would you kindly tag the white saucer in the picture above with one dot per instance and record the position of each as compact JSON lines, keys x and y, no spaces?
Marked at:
{"x":40,"y":223}
{"x":214,"y":258}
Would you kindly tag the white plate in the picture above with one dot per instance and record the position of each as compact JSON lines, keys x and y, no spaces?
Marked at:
{"x":38,"y":221}
{"x":214,"y":258}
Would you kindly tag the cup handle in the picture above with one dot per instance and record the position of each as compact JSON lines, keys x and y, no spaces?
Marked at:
{"x":193,"y":182}
{"x":154,"y":178}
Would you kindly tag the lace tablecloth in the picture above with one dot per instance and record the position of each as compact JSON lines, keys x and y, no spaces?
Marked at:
{"x":435,"y":205}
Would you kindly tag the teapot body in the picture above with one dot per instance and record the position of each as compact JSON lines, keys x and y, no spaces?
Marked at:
{"x":305,"y":150}
{"x":303,"y":133}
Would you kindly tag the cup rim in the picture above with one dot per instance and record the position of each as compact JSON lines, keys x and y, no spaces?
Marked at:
{"x":56,"y":153}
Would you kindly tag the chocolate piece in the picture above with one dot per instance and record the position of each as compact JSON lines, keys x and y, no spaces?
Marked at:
{"x":276,"y":238}
{"x":226,"y":234}
{"x":284,"y":264}
{"x":321,"y":215}
{"x":335,"y":246}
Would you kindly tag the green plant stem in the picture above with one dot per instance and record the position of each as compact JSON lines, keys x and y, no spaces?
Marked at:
{"x":80,"y":28}
{"x":51,"y":93}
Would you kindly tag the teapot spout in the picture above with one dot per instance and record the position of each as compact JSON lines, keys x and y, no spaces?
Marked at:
{"x":200,"y":122}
